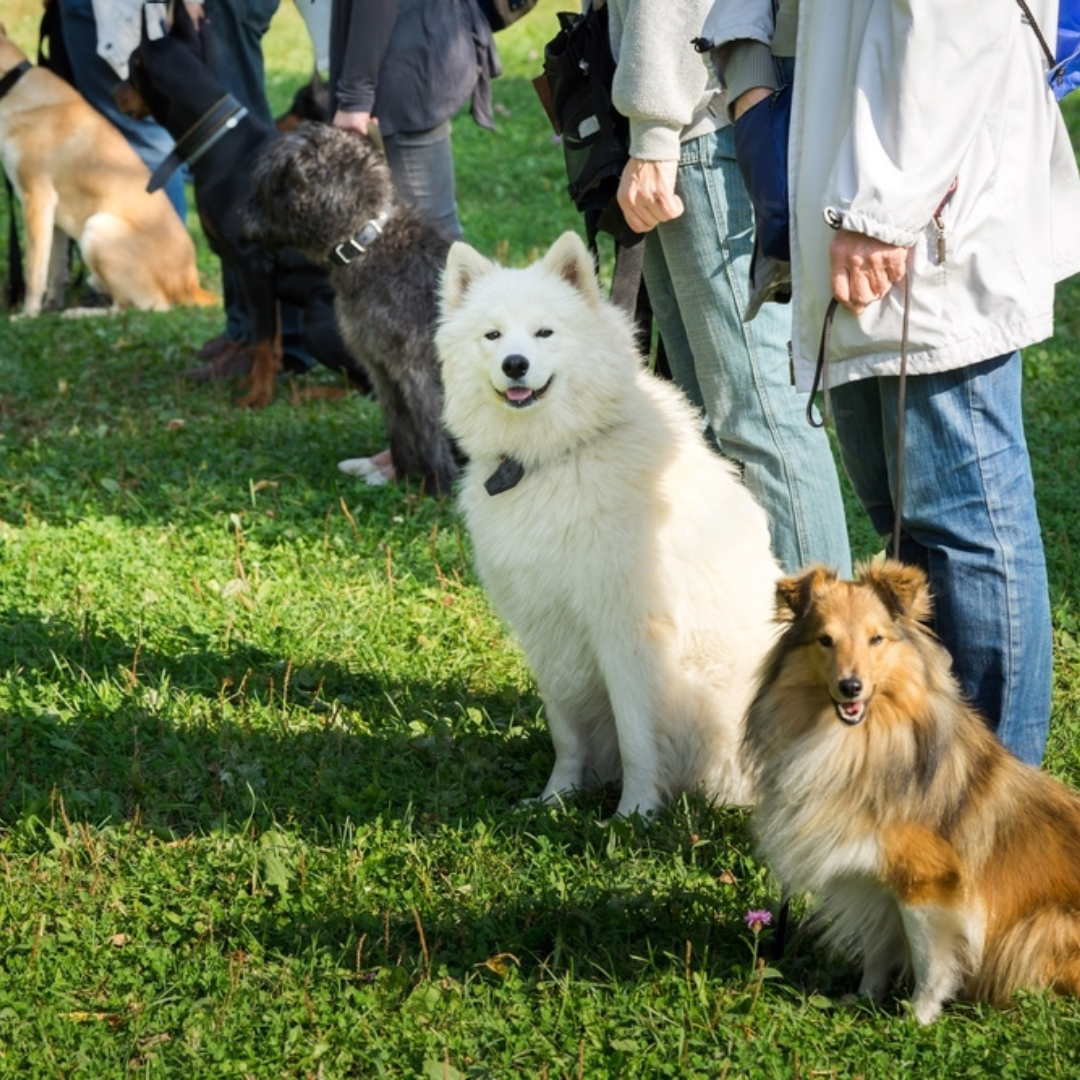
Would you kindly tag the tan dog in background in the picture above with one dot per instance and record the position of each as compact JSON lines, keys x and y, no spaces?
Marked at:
{"x":74,"y":172}
{"x":934,"y":852}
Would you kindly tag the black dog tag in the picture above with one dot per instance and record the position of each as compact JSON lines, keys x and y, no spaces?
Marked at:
{"x":506,"y":476}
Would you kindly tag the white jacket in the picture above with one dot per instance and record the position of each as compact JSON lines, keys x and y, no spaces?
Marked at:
{"x":894,"y":102}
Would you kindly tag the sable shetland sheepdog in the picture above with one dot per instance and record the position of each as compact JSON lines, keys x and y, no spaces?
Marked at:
{"x":934,"y":852}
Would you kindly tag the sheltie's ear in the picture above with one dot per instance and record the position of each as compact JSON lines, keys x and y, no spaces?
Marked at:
{"x":903,"y":589}
{"x":794,"y":595}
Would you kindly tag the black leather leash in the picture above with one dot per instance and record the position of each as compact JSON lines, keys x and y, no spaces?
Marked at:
{"x":821,"y":382}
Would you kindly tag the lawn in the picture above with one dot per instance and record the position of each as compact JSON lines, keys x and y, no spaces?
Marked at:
{"x":263,"y":740}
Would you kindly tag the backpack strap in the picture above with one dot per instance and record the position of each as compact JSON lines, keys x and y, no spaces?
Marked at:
{"x":1051,"y":60}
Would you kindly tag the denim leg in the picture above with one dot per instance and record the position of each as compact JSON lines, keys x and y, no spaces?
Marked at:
{"x":237,"y":28}
{"x":236,"y":32}
{"x":665,"y":309}
{"x":95,"y":79}
{"x":696,"y":270}
{"x":422,"y":165}
{"x":969,"y":519}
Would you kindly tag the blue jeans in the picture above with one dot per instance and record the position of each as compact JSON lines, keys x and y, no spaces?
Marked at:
{"x":696,"y":269}
{"x":237,"y":28}
{"x":969,"y":521}
{"x":422,"y":165}
{"x":95,"y":79}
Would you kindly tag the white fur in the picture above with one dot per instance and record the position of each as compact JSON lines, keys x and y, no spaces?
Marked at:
{"x":630,"y":561}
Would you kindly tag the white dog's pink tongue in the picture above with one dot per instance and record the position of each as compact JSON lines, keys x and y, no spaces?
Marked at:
{"x":518,"y":393}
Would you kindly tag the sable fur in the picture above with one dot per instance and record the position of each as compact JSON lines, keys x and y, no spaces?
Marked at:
{"x":934,"y":853}
{"x":313,"y":189}
{"x":629,"y":560}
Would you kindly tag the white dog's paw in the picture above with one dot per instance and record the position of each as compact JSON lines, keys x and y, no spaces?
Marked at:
{"x":926,"y":1008}
{"x":647,"y":807}
{"x":366,"y":469}
{"x":555,"y":801}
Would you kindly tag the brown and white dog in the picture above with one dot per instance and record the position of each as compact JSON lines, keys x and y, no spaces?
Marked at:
{"x":74,"y":172}
{"x":933,"y":851}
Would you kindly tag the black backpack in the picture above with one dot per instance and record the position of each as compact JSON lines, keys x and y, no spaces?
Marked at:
{"x":576,"y":83}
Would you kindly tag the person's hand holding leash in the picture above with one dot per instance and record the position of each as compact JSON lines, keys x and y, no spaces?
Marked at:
{"x":360,"y":123}
{"x":647,"y":193}
{"x":864,"y":269}
{"x":352,"y":121}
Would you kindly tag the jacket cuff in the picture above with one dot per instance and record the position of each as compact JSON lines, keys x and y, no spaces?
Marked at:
{"x":355,"y":96}
{"x":654,"y":142}
{"x":748,"y":64}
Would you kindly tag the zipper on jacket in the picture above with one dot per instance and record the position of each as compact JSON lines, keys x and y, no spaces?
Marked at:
{"x":939,"y":222}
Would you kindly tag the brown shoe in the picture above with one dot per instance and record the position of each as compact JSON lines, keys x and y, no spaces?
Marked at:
{"x":231,"y":363}
{"x":214,"y":347}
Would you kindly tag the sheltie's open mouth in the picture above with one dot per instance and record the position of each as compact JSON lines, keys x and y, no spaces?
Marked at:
{"x":520,"y":397}
{"x":851,"y":712}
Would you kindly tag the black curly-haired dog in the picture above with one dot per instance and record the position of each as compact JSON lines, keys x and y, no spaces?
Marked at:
{"x":172,"y":77}
{"x":328,"y":193}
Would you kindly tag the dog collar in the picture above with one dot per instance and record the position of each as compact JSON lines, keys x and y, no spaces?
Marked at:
{"x":344,"y":253}
{"x":13,"y":76}
{"x":508,"y":474}
{"x":212,"y":126}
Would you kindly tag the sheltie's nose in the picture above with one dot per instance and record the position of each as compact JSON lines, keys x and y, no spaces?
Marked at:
{"x":515,"y":366}
{"x":850,"y":688}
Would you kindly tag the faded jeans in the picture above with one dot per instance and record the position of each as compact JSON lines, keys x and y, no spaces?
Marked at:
{"x":969,"y":520}
{"x":422,"y":165}
{"x":697,"y":269}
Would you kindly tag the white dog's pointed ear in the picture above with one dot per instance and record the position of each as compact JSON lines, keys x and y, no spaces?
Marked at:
{"x":571,"y":260}
{"x":464,"y":264}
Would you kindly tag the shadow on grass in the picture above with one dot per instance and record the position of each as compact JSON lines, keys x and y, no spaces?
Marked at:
{"x":203,"y":739}
{"x":241,"y":751}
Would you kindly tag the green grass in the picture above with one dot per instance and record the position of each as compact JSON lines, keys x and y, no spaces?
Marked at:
{"x":262,"y":741}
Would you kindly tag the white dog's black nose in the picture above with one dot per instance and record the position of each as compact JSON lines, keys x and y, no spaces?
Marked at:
{"x":850,"y":688}
{"x":515,"y":366}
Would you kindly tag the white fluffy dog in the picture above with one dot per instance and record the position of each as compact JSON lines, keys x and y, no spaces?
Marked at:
{"x":628,"y":558}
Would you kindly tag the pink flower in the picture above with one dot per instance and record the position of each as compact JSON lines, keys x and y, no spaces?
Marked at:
{"x":758,"y":920}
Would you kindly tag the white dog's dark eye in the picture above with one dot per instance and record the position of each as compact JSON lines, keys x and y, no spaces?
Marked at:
{"x":826,"y":641}
{"x":877,"y":639}
{"x":544,"y":332}
{"x":493,"y":335}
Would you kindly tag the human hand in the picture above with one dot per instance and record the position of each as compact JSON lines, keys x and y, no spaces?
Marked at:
{"x":748,"y":99}
{"x":863,"y":269}
{"x":197,"y":13}
{"x":353,"y":121}
{"x":647,"y":193}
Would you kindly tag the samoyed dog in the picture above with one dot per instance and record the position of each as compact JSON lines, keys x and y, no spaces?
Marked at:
{"x":628,"y":558}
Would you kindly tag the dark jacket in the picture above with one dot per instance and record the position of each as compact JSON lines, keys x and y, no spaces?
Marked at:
{"x":411,"y":63}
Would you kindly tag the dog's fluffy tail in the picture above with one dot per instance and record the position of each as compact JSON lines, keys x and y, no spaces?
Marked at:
{"x":1040,"y":952}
